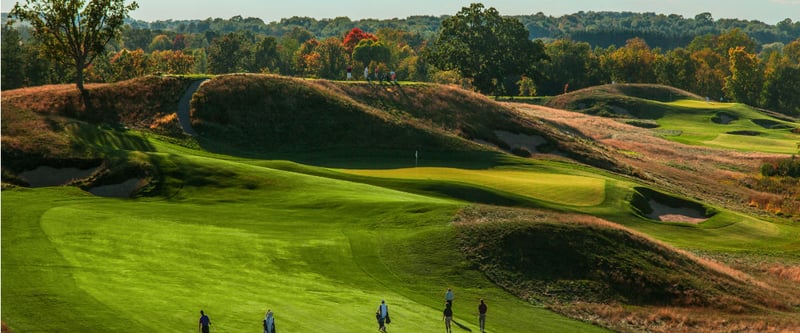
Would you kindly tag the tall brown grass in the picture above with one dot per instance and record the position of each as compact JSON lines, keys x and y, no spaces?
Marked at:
{"x":677,"y":319}
{"x":720,"y":176}
{"x":791,"y":273}
{"x":135,"y":103}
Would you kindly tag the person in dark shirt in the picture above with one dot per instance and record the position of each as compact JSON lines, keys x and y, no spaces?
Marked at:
{"x":482,"y":315}
{"x":380,"y":320}
{"x":448,"y":317}
{"x":204,"y":323}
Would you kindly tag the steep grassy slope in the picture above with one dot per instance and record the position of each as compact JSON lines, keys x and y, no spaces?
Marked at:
{"x":272,"y":113}
{"x":50,"y":125}
{"x":279,"y":114}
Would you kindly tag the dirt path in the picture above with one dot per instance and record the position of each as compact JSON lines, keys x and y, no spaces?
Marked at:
{"x":183,"y":107}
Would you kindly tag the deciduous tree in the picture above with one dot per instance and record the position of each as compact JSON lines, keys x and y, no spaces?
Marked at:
{"x":569,"y":62}
{"x":368,"y":51}
{"x":267,"y":58}
{"x":127,"y":64}
{"x":633,"y":63}
{"x":230,"y":54}
{"x":160,"y":43}
{"x":746,"y":80}
{"x":485,"y":47}
{"x":333,"y":59}
{"x":74,"y":31}
{"x":353,"y":37}
{"x":170,"y":62}
{"x":782,"y":86}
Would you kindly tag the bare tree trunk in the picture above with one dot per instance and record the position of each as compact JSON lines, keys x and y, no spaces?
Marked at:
{"x":79,"y":84}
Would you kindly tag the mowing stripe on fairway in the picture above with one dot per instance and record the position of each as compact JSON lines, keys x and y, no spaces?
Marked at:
{"x":557,"y":188}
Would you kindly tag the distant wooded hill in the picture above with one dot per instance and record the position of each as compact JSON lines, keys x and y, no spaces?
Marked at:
{"x":597,"y":28}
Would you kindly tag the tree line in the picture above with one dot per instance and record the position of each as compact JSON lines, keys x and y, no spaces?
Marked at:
{"x":597,"y":28}
{"x":497,"y":56}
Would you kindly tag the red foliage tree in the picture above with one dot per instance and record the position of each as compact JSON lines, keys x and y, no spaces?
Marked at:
{"x":353,"y":37}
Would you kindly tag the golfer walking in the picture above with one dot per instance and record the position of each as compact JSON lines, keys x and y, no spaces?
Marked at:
{"x":482,"y":315}
{"x":383,"y":313}
{"x":204,"y":323}
{"x":448,"y":296}
{"x":269,"y":322}
{"x":447,"y":316}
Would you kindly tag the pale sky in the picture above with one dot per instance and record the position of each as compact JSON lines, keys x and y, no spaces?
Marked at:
{"x":769,"y":11}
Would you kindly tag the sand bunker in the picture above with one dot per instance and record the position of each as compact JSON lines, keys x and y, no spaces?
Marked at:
{"x":121,"y":190}
{"x":662,"y":212}
{"x":49,"y":176}
{"x":770,"y":124}
{"x":723,"y":118}
{"x":666,"y":208}
{"x":745,"y":133}
{"x":529,"y":142}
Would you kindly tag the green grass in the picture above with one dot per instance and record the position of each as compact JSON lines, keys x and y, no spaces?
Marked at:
{"x":685,"y":118}
{"x":556,"y":188}
{"x":320,"y":237}
{"x":320,"y":253}
{"x":693,"y":120}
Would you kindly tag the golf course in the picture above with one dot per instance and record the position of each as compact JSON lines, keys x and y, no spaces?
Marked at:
{"x":318,"y":199}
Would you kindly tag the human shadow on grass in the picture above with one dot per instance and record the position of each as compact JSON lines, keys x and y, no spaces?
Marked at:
{"x":461,"y":326}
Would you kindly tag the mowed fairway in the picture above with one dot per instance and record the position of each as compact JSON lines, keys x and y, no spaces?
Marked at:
{"x":692,"y":119}
{"x":561,"y":189}
{"x":320,"y":253}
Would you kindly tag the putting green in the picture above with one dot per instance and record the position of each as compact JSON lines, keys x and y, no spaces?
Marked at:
{"x":754,"y":143}
{"x":557,"y":188}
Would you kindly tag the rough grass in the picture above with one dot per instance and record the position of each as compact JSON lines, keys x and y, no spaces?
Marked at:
{"x":596,"y":270}
{"x":720,"y":176}
{"x":279,"y":114}
{"x":137,"y":103}
{"x":269,"y":113}
{"x":37,"y":120}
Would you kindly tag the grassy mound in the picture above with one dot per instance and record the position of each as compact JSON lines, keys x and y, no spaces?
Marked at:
{"x":555,"y":259}
{"x":50,"y":125}
{"x":269,"y":113}
{"x":621,"y":100}
{"x":272,"y":113}
{"x":572,"y":258}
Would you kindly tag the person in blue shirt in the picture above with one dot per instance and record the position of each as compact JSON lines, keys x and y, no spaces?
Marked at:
{"x":448,"y":296}
{"x":383,"y":316}
{"x":204,"y":323}
{"x":269,"y":322}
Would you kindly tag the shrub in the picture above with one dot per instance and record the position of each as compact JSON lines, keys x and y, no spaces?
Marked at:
{"x":789,"y":167}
